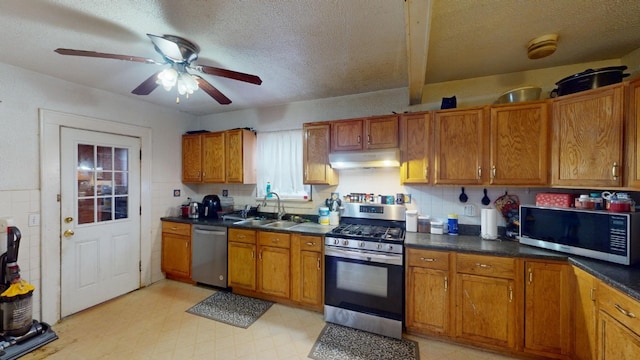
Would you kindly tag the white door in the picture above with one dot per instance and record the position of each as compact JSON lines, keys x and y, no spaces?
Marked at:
{"x":100,"y":217}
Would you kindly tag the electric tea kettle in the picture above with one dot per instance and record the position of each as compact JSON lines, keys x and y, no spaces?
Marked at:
{"x":194,"y":210}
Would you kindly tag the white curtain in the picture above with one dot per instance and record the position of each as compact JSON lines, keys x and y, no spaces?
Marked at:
{"x":279,"y":162}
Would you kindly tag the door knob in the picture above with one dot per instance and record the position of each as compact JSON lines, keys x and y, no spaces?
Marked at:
{"x":68,"y":233}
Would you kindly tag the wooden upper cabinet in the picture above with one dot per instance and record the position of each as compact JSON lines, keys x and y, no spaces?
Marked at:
{"x":458,"y":146}
{"x":213,"y":164}
{"x":380,"y":132}
{"x":415,"y":148}
{"x":588,"y":138}
{"x":240,"y":148}
{"x":315,"y":155}
{"x":191,"y":158}
{"x":633,"y":134}
{"x":519,"y":144}
{"x":346,"y":135}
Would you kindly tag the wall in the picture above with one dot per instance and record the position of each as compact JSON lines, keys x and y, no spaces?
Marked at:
{"x":20,"y":148}
{"x":429,"y":200}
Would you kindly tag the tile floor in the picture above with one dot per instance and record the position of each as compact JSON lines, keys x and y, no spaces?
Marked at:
{"x":152,"y":323}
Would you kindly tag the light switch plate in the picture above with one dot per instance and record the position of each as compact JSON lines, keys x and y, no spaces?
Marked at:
{"x":469,"y":210}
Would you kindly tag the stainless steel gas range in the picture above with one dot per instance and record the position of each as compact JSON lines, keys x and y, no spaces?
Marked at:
{"x":364,"y":269}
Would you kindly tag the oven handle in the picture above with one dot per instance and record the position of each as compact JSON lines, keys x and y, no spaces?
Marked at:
{"x":392,"y":259}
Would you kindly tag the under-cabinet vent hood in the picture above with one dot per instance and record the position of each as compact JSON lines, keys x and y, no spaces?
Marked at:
{"x":365,"y":159}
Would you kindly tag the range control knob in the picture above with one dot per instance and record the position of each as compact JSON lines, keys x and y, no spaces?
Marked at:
{"x":336,"y":241}
{"x":361,"y":243}
{"x":390,"y":247}
{"x":345,"y":242}
{"x":379,"y":246}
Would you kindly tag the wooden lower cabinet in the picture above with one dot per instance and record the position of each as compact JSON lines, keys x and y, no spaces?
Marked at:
{"x":307,"y":271}
{"x":585,"y":313}
{"x":548,"y":309}
{"x":428,"y":292}
{"x":176,"y":251}
{"x":274,"y":275}
{"x":241,"y":262}
{"x":618,"y":329}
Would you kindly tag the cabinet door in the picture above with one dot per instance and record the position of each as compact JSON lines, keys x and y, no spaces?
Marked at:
{"x":346,"y":135}
{"x":485,"y":310}
{"x":547,"y":308}
{"x":585,"y":315}
{"x":315,"y":155}
{"x":415,"y":147}
{"x":587,"y":138}
{"x":176,"y":255}
{"x":616,"y":341}
{"x":242,"y":265}
{"x":191,"y":158}
{"x":519,"y":144}
{"x":428,"y":300}
{"x":459,"y":147}
{"x":381,"y":132}
{"x":633,"y":134}
{"x":274,"y":271}
{"x":213,"y":164}
{"x":234,"y":156}
{"x":311,"y":275}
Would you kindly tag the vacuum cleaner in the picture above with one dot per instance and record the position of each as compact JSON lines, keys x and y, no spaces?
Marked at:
{"x":19,"y":333}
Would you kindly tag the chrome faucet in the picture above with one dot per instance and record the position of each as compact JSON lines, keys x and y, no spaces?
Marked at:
{"x":280,"y":209}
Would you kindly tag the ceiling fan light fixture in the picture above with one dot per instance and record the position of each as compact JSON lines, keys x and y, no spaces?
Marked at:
{"x":186,"y":84}
{"x":167,"y":78}
{"x":542,"y":46}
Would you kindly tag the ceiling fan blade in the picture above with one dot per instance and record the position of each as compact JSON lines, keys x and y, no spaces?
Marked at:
{"x":147,"y":86}
{"x":95,"y":54}
{"x":212,"y":91}
{"x":210,"y":70}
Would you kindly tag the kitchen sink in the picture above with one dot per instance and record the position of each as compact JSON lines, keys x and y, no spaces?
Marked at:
{"x":311,"y":227}
{"x":281,"y":224}
{"x":255,"y":222}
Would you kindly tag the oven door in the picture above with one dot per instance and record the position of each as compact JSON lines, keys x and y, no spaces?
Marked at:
{"x":365,"y":282}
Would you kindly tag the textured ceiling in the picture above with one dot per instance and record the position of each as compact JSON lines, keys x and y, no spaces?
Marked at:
{"x":306,"y":49}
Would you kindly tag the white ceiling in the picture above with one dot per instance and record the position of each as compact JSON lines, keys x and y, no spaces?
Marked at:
{"x":310,"y":49}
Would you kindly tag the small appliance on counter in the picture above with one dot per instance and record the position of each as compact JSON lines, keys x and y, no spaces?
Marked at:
{"x":194,"y":210}
{"x":210,"y":207}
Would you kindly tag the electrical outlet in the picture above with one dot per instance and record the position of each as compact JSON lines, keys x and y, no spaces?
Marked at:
{"x":469,"y":210}
{"x":176,"y":192}
{"x":34,"y":219}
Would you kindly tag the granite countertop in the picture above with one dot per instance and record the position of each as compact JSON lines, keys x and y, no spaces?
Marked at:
{"x":308,"y":228}
{"x":621,"y":277}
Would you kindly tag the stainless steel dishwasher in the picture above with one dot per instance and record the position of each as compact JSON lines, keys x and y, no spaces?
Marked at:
{"x":209,"y":255}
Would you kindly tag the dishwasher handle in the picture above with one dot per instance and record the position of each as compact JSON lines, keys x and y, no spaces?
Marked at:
{"x":209,"y":232}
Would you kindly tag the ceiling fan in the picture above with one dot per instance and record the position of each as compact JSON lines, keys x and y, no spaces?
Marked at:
{"x":181,"y":55}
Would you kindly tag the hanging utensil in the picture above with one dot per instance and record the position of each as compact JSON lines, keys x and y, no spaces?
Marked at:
{"x":485,"y":199}
{"x":463,"y":197}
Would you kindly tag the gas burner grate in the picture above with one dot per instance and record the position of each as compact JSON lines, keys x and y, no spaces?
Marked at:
{"x":369,"y":231}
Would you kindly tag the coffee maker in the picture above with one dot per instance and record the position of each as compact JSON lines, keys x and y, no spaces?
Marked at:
{"x":210,"y":207}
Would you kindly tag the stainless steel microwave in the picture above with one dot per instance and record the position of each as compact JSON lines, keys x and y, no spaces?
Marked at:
{"x":603,"y":235}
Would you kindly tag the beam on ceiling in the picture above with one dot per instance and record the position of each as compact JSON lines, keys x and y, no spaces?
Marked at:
{"x":417,"y":15}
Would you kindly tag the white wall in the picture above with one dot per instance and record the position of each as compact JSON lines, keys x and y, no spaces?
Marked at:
{"x":22,"y":93}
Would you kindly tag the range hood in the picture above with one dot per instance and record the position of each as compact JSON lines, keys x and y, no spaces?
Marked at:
{"x":365,"y":159}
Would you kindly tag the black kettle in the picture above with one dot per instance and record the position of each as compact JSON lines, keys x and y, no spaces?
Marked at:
{"x":210,"y":207}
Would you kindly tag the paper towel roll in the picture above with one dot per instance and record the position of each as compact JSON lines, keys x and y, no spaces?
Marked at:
{"x":489,"y":224}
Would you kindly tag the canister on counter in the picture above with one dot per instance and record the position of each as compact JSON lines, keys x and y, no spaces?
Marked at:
{"x":424,"y":224}
{"x":452,"y":220}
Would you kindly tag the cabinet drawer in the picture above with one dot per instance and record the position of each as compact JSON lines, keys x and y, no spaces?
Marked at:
{"x":428,"y":259}
{"x":274,"y":239}
{"x":620,"y":306}
{"x":486,"y":265}
{"x":176,"y":228}
{"x":311,"y":243}
{"x":242,"y":235}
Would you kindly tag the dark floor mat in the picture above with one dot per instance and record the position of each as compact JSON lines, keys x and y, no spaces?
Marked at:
{"x":344,"y":343}
{"x":232,"y":309}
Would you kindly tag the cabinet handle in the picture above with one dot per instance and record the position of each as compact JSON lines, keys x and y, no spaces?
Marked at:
{"x":625,"y":312}
{"x":204,"y":174}
{"x":318,"y":264}
{"x":614,"y":170}
{"x":260,"y":255}
{"x":275,"y":240}
{"x":359,"y":139}
{"x":426,"y":171}
{"x":530,"y":276}
{"x":186,"y":244}
{"x":240,"y":236}
{"x":427,"y":259}
{"x":174,"y":228}
{"x":510,"y":294}
{"x":253,"y":254}
{"x":591,"y":294}
{"x":446,"y":283}
{"x":368,"y":139}
{"x":310,"y":243}
{"x":493,"y":172}
{"x":479,"y":172}
{"x":486,"y":266}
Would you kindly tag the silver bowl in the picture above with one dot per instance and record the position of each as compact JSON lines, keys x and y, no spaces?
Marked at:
{"x":526,"y":93}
